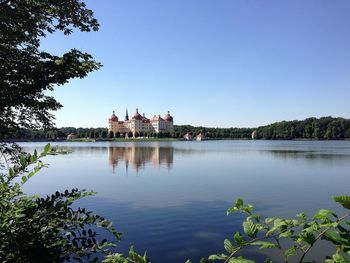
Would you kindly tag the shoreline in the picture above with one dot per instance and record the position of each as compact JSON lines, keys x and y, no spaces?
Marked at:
{"x":157,"y":139}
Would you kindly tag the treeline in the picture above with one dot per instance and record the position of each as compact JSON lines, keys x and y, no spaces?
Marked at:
{"x":62,"y":133}
{"x":325,"y":128}
{"x":222,"y":133}
{"x":59,"y":133}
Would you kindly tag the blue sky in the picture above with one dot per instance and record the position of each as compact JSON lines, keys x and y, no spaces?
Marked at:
{"x":227,"y":63}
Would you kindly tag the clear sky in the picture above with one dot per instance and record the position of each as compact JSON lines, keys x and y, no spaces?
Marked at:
{"x":215,"y":63}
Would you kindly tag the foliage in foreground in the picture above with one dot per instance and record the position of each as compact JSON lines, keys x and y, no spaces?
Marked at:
{"x":292,"y":239}
{"x":48,"y":229}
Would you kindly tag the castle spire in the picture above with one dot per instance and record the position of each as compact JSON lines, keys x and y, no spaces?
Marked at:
{"x":126,"y":115}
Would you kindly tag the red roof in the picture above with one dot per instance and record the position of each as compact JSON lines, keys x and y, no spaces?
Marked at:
{"x":144,"y":118}
{"x":157,"y":118}
{"x":113,"y":117}
{"x":168,"y":117}
{"x":137,"y":116}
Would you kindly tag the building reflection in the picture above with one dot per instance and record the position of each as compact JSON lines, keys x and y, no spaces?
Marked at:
{"x":138,"y":157}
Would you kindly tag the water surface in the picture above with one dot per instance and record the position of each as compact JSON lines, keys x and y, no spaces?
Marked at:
{"x":170,"y":198}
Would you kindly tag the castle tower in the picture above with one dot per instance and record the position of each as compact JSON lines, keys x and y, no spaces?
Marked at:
{"x":126,"y":115}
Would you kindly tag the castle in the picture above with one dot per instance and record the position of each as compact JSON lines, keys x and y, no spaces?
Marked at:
{"x":139,"y":125}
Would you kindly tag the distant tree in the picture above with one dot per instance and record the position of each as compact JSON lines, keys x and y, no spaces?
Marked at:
{"x":104,"y":134}
{"x":317,"y":133}
{"x":117,"y":135}
{"x":92,"y":135}
{"x":137,"y":134}
{"x":129,"y":134}
{"x":347,"y":133}
{"x":166,"y":135}
{"x":110,"y":134}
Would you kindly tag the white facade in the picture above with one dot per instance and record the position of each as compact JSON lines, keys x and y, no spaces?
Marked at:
{"x":141,"y":125}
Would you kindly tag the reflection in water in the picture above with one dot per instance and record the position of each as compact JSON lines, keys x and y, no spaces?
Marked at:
{"x":324,"y":156}
{"x":138,"y":157}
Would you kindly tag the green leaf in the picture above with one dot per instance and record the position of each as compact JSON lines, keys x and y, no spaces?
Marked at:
{"x":307,"y":237}
{"x":344,"y":200}
{"x":324,"y":214}
{"x":269,"y":220}
{"x":312,"y":227}
{"x":280,"y":223}
{"x":47,"y":148}
{"x":232,"y":210}
{"x":338,"y":258}
{"x":248,"y":209}
{"x":302,"y":216}
{"x":271,"y":231}
{"x":237,"y":208}
{"x":335,"y":237}
{"x":229,"y":247}
{"x":264,"y":244}
{"x":11,"y":172}
{"x":22,"y":161}
{"x":256,"y":217}
{"x":134,"y":256}
{"x":239,"y":239}
{"x":290,"y":251}
{"x":240,"y":260}
{"x":24,"y":179}
{"x":217,"y":257}
{"x":286,"y":234}
{"x":239,"y":203}
{"x":250,"y":229}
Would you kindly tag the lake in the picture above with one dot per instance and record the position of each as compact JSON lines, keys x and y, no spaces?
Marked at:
{"x":170,"y":198}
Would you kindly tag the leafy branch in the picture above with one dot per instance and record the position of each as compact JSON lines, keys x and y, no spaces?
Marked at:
{"x":302,"y":232}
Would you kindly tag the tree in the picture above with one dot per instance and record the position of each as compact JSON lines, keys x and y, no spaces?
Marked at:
{"x":110,"y":134}
{"x":117,"y":135}
{"x":26,"y":72}
{"x":92,"y":134}
{"x":347,"y":133}
{"x":104,"y":134}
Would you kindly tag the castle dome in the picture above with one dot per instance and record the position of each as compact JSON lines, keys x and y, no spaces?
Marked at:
{"x":168,"y":117}
{"x":137,"y":116}
{"x":113,"y":117}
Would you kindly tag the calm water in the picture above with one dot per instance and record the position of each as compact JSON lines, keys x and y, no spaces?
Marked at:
{"x":170,"y":198}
